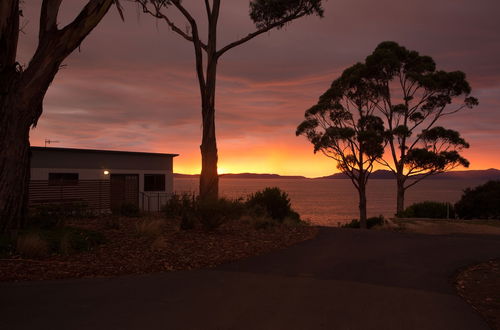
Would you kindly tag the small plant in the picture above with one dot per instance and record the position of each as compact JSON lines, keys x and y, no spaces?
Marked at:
{"x":159,"y":244}
{"x":130,"y":210}
{"x":429,"y":209}
{"x":149,"y":228}
{"x":370,"y":222}
{"x":32,"y":245}
{"x":481,"y":202}
{"x":274,"y":201}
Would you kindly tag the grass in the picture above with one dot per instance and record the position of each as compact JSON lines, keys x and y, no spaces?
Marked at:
{"x":149,"y":227}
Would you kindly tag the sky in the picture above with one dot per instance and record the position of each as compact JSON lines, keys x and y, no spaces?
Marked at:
{"x":132,"y":85}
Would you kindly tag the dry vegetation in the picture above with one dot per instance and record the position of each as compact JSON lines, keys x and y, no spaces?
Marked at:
{"x":445,"y":227}
{"x":146,"y":245}
{"x":479,"y":285}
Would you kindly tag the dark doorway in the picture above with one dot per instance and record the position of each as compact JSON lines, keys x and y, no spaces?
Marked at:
{"x":124,"y":190}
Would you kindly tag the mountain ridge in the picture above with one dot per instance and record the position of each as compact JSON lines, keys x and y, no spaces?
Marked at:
{"x":488,"y":174}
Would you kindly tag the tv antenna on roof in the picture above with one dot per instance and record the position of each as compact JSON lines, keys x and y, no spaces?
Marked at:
{"x":48,"y":141}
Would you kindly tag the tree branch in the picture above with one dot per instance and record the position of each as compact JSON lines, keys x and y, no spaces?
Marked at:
{"x":48,"y":17}
{"x":252,"y":35}
{"x":158,"y":14}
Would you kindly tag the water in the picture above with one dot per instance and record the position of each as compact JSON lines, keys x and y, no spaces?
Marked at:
{"x":328,"y":202}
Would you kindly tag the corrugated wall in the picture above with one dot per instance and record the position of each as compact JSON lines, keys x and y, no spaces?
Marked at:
{"x":94,"y":193}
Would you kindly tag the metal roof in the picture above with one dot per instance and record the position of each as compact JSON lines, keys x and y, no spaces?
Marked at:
{"x":75,"y":150}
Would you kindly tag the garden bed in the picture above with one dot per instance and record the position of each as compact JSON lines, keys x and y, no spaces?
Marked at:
{"x":153,"y":244}
{"x":479,"y":285}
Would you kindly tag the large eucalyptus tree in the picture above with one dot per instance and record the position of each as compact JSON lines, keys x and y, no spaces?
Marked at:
{"x":415,"y":97}
{"x":266,"y":14}
{"x":22,"y":90}
{"x":344,"y":127}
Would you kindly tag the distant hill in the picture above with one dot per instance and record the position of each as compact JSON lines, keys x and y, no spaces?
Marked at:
{"x":244,"y":176}
{"x":489,"y":174}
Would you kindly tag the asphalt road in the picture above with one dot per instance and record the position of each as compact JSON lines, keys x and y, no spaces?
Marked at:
{"x":343,"y":279}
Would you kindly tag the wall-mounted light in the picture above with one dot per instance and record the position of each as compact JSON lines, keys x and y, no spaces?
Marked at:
{"x":106,"y":172}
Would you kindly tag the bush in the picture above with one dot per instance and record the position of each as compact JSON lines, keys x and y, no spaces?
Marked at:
{"x":271,"y":204}
{"x":370,"y":222}
{"x":210,"y":214}
{"x":130,"y":210}
{"x":429,"y":209}
{"x":274,"y":201}
{"x":67,"y":240}
{"x":49,"y":216}
{"x":149,"y":228}
{"x":481,"y":202}
{"x":31,"y":245}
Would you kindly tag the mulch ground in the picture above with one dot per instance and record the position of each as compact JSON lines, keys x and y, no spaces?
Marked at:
{"x":479,"y":285}
{"x":128,"y":252}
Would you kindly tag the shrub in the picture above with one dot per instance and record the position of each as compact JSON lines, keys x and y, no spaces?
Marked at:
{"x":429,"y":209}
{"x":210,"y":214}
{"x":128,"y":210}
{"x":31,"y":245}
{"x":178,"y":205}
{"x":49,"y":216}
{"x":481,"y":202}
{"x":149,"y":228}
{"x":213,"y":214}
{"x":370,"y":222}
{"x":67,"y":240}
{"x":274,"y":201}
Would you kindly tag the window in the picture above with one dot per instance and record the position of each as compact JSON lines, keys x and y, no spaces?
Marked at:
{"x":154,"y":182}
{"x":63,"y":179}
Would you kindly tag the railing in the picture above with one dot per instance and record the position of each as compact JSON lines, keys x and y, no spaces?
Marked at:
{"x":153,"y":201}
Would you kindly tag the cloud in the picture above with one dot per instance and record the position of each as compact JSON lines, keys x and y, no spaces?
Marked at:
{"x":133,"y":85}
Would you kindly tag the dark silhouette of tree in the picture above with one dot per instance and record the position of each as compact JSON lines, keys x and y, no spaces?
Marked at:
{"x":267,"y":15}
{"x":22,"y":90}
{"x":342,"y":125}
{"x":414,"y":97}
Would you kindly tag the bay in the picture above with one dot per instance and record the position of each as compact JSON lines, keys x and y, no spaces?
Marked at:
{"x":329,"y":202}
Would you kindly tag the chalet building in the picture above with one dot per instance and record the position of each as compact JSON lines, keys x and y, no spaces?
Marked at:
{"x":102,"y":180}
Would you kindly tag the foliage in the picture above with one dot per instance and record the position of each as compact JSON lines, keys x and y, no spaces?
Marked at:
{"x":31,"y":245}
{"x":149,"y":227}
{"x":127,"y":209}
{"x":52,"y":215}
{"x":481,"y":202}
{"x":40,"y":242}
{"x":270,"y":204}
{"x":266,"y":13}
{"x":429,"y":209}
{"x":370,"y":222}
{"x":273,"y":201}
{"x":191,"y":210}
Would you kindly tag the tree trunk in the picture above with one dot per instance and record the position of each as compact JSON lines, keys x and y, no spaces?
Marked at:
{"x":362,"y":206}
{"x":14,"y":168}
{"x":400,"y":191}
{"x":209,"y":179}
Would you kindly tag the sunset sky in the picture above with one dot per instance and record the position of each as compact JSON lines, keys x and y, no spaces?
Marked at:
{"x":133,"y":87}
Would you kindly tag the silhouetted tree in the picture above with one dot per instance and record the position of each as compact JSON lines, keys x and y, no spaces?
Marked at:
{"x":22,"y":90}
{"x":481,"y":202}
{"x":415,"y":96}
{"x":267,"y":15}
{"x":342,"y":125}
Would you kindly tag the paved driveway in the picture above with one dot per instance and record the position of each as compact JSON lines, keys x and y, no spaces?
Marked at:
{"x":343,"y":279}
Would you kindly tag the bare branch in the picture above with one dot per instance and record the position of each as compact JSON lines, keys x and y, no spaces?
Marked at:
{"x":48,"y":17}
{"x":291,"y":17}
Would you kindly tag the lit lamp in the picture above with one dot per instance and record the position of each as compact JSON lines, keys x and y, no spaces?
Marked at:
{"x":106,"y":172}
